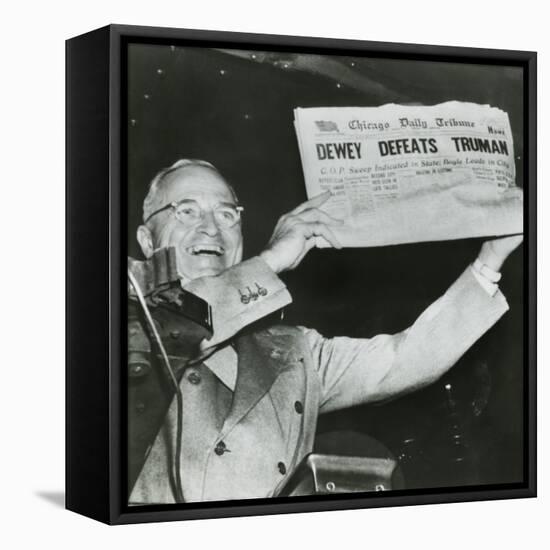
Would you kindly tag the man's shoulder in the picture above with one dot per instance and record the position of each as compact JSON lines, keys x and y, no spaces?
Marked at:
{"x":280,"y":335}
{"x":278,"y":331}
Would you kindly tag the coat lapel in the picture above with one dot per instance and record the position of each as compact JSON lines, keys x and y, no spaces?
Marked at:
{"x":262,"y":356}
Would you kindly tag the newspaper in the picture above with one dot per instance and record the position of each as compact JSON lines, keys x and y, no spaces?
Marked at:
{"x":401,"y":174}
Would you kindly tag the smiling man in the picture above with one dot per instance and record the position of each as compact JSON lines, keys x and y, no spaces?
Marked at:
{"x":191,"y":207}
{"x":252,"y":398}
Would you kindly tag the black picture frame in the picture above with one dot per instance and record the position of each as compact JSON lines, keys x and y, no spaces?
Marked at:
{"x":96,"y":214}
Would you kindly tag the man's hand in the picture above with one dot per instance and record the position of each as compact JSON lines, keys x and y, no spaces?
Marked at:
{"x":493,"y":253}
{"x":295,"y":232}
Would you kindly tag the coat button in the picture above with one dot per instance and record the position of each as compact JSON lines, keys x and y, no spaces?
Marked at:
{"x":220,"y":448}
{"x":298,"y":407}
{"x":194,"y":378}
{"x":282,"y":468}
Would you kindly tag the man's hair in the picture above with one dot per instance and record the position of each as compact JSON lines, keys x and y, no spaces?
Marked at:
{"x":151,"y":202}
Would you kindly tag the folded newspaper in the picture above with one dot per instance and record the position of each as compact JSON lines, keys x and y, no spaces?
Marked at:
{"x":402,"y":174}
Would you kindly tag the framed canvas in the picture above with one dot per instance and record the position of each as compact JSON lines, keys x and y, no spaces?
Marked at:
{"x":300,"y":274}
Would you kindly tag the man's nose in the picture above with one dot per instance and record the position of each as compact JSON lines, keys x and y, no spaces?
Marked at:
{"x":208,"y":224}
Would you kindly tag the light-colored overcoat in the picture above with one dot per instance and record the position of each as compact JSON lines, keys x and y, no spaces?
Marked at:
{"x":242,"y":438}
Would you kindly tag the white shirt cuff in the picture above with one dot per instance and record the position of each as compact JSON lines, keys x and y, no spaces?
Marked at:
{"x":489,"y":286}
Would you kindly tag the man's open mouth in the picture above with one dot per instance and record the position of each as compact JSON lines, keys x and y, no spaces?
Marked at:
{"x":205,"y":250}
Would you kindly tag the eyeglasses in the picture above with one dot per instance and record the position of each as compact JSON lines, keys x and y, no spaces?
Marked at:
{"x":189,"y":213}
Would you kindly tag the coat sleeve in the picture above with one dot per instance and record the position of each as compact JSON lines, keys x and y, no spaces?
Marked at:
{"x":358,"y":371}
{"x":239,"y":296}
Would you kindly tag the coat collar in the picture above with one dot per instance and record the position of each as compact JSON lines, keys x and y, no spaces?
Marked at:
{"x":262,"y":356}
{"x":223,"y":363}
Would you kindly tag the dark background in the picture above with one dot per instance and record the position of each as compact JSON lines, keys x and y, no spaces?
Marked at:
{"x":236,"y":111}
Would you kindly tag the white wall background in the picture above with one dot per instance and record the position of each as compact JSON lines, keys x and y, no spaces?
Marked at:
{"x":32,"y":274}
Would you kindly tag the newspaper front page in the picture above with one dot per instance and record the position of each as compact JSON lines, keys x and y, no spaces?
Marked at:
{"x":402,"y":174}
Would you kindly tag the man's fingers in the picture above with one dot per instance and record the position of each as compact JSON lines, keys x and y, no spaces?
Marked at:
{"x":316,"y":215}
{"x":315,"y":202}
{"x":319,"y":229}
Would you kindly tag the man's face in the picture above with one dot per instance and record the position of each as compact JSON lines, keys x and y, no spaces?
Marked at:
{"x":203,"y":247}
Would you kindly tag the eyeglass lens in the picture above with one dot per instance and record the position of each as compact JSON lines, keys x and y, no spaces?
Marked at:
{"x":190,"y":213}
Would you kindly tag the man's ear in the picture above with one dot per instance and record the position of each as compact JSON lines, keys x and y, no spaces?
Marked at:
{"x":145,"y":240}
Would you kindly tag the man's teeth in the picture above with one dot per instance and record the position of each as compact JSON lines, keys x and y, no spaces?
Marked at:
{"x":206,"y":249}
